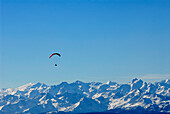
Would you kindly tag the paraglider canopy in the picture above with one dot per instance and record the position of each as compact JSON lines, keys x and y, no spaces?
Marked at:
{"x":55,"y":54}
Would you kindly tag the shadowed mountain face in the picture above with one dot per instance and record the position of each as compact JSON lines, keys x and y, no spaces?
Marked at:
{"x":80,"y":97}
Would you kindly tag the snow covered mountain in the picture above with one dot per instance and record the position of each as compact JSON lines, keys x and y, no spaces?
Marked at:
{"x":80,"y":97}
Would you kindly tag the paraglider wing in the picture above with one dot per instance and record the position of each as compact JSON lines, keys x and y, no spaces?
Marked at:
{"x":54,"y":54}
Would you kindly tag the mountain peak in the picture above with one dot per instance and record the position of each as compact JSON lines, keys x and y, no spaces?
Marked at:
{"x":63,"y":83}
{"x":137,"y":83}
{"x":135,"y":79}
{"x":78,"y":82}
{"x":110,"y":83}
{"x":22,"y":88}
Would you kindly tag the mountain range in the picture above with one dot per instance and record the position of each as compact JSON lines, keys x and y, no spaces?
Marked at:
{"x":136,"y":96}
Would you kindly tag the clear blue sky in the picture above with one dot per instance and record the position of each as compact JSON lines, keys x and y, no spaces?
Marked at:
{"x":99,"y":40}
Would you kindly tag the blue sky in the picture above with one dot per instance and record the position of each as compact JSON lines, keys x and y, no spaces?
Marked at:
{"x":99,"y":40}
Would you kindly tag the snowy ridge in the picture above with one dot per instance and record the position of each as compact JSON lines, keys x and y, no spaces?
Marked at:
{"x":80,"y":97}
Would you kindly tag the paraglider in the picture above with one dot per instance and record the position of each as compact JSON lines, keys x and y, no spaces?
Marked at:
{"x":53,"y":55}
